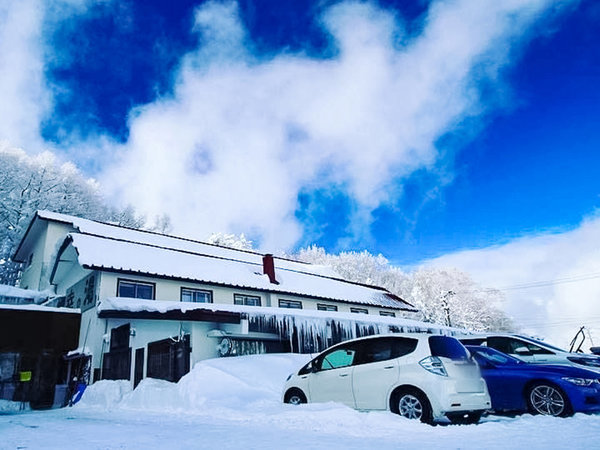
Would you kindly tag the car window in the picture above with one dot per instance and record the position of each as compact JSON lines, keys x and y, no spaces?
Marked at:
{"x":447,"y":347}
{"x":511,"y":345}
{"x":382,"y":349}
{"x":504,"y":344}
{"x":473,"y":341}
{"x":537,"y":350}
{"x":336,"y":359}
{"x":545,"y":344}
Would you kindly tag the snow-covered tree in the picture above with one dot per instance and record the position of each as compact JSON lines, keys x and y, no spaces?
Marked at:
{"x":451,"y":297}
{"x":29,"y":183}
{"x":446,"y":297}
{"x":238,"y":242}
{"x":162,"y":224}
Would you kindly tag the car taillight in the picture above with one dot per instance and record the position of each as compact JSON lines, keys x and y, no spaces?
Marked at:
{"x":434,"y":364}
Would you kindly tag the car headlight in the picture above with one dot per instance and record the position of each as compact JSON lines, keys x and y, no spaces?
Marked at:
{"x":434,"y":364}
{"x":593,"y":362}
{"x":581,"y":381}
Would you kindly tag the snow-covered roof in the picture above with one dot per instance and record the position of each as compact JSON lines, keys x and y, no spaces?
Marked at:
{"x":95,"y":252}
{"x":114,"y":231}
{"x":31,"y":307}
{"x":11,"y":292}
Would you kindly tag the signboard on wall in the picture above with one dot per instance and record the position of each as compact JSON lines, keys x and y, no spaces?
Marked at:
{"x":82,"y":294}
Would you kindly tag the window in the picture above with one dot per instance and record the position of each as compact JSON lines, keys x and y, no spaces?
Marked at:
{"x":382,"y":349}
{"x":324,"y":307}
{"x":290,"y":304}
{"x":387,"y":313}
{"x":513,"y":346}
{"x":447,"y":347}
{"x":342,"y":357}
{"x":359,"y":310}
{"x":196,"y":295}
{"x":135,"y":289}
{"x":248,"y":300}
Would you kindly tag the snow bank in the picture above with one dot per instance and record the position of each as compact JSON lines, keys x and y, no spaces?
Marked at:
{"x":245,"y":382}
{"x":105,"y":394}
{"x":8,"y":407}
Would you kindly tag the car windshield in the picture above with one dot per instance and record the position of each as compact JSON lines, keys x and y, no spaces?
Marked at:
{"x":543,"y":344}
{"x":447,"y":347}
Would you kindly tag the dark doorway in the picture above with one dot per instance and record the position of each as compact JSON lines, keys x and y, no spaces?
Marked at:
{"x":116,"y":364}
{"x":139,"y":367}
{"x":169,"y":359}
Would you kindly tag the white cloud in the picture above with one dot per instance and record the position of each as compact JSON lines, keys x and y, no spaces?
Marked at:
{"x":242,"y":136}
{"x":24,"y":98}
{"x":567,"y":267}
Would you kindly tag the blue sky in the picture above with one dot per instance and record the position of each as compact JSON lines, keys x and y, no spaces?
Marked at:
{"x":505,"y":144}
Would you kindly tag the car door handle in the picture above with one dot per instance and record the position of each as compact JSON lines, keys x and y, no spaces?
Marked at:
{"x":343,"y":374}
{"x":388,"y":367}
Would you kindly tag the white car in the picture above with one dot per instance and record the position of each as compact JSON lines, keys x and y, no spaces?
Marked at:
{"x":533,"y":351}
{"x":419,"y":376}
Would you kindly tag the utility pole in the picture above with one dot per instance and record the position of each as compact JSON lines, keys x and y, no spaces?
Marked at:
{"x":446,"y":306}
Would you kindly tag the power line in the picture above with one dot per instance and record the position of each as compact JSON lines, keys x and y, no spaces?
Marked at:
{"x":538,"y":284}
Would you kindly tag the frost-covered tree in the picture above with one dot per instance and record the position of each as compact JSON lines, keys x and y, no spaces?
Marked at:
{"x":238,"y":242}
{"x":29,"y":183}
{"x":451,"y":297}
{"x":162,"y":224}
{"x":445,"y":297}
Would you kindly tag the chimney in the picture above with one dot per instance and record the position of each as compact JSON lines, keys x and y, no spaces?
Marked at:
{"x":269,"y":267}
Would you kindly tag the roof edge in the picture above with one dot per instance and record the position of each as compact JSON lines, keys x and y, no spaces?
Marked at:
{"x":247,"y":288}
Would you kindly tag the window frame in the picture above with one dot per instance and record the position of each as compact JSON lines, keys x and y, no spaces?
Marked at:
{"x":289,"y":302}
{"x":387,"y":313}
{"x":194,"y":290}
{"x":359,"y":310}
{"x":247,"y":296}
{"x":146,"y":283}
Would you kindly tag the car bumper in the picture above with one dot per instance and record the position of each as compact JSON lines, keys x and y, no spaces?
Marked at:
{"x":584,"y":399}
{"x":448,"y":400}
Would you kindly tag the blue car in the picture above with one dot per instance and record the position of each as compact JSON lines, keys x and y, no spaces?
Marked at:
{"x":551,"y":390}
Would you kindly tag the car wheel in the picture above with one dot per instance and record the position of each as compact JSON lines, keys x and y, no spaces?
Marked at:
{"x":548,"y":400}
{"x":295,"y":397}
{"x":414,"y":405}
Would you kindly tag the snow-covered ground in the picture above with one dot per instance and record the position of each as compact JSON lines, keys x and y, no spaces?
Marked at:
{"x":235,"y":403}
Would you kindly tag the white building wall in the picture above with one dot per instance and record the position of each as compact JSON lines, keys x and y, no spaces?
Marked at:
{"x":44,"y":245}
{"x":170,"y":290}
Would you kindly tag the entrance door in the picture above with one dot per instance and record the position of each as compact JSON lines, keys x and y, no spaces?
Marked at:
{"x":139,"y":367}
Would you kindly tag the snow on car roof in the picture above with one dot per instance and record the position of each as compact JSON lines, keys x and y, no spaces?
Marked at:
{"x":95,"y":252}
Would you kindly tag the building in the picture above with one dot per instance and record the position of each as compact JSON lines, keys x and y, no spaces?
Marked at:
{"x":152,"y":304}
